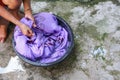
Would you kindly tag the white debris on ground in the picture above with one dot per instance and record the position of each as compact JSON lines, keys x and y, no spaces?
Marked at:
{"x":99,"y":51}
{"x":13,"y":66}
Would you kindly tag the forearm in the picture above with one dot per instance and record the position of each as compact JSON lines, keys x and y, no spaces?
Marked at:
{"x":8,"y":16}
{"x":27,"y":6}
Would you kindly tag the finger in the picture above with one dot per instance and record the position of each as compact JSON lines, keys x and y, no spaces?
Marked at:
{"x":28,"y":18}
{"x":29,"y":35}
{"x":30,"y":32}
{"x":34,"y":25}
{"x":33,"y":19}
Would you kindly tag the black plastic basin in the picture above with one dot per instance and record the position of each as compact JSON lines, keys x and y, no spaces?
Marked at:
{"x":64,"y":24}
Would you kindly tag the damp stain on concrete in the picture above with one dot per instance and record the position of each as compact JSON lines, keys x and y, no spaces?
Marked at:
{"x":96,"y":53}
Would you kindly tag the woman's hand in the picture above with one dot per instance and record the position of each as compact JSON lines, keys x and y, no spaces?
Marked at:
{"x":26,"y":30}
{"x":30,"y":16}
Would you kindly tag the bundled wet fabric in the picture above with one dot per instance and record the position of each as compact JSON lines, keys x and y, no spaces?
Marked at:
{"x":49,"y":42}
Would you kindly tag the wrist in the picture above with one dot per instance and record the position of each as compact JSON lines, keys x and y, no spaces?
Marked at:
{"x":28,"y":11}
{"x":19,"y":24}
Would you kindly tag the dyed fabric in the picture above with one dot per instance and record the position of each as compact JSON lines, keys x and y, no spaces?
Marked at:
{"x":49,"y":42}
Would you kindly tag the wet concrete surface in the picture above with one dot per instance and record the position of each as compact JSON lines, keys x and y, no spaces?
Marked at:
{"x":96,"y":55}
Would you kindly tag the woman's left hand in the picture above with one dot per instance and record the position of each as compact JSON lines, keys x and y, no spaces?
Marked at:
{"x":30,"y":16}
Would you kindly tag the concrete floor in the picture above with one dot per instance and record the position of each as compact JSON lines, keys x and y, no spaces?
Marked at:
{"x":96,"y":55}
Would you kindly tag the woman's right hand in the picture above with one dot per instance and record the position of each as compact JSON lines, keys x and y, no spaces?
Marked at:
{"x":26,"y":30}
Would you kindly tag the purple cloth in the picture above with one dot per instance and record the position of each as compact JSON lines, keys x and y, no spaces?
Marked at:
{"x":49,"y":42}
